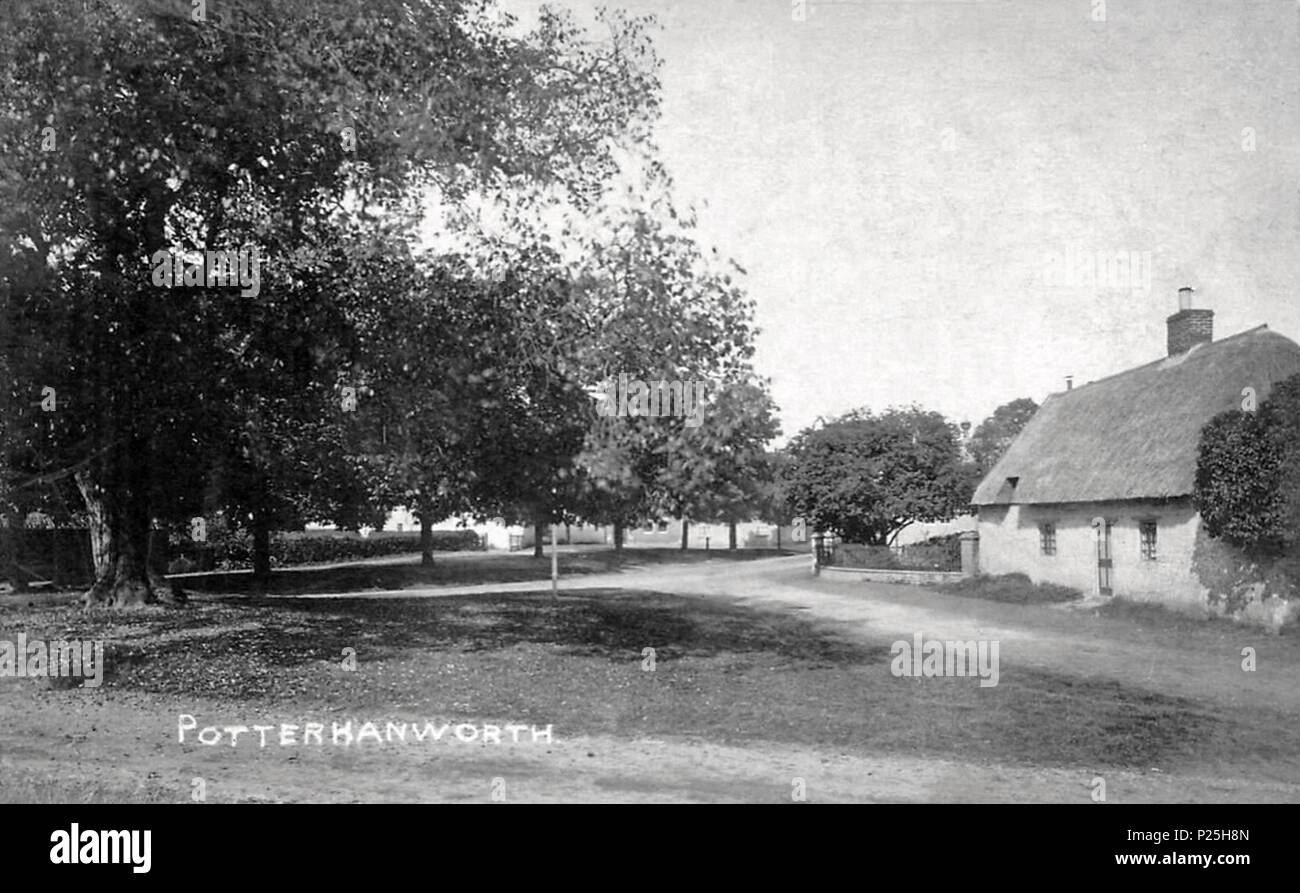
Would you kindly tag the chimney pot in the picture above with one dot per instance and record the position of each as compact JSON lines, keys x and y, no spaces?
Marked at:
{"x":1069,"y":382}
{"x":1185,"y":297}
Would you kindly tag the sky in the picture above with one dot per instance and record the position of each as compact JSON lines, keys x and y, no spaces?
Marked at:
{"x":956,"y":203}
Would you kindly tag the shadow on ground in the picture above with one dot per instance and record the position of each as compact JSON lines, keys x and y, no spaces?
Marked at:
{"x":718,"y":671}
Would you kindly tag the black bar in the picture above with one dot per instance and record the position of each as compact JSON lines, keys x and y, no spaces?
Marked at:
{"x":240,"y":844}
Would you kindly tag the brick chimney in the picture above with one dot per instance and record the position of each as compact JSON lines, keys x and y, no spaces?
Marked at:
{"x":1189,"y":327}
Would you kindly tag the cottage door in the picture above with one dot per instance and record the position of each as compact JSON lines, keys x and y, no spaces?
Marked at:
{"x":1105,"y":559}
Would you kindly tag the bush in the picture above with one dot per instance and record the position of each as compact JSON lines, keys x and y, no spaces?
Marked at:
{"x":1248,"y":475}
{"x":938,"y":553}
{"x":859,"y":555}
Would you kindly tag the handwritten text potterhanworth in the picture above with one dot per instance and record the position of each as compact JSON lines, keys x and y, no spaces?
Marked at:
{"x":344,"y":734}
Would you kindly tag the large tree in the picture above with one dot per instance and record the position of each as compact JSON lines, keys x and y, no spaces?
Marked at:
{"x":285,"y":458}
{"x":866,"y":476}
{"x":419,"y":392}
{"x":534,"y":428}
{"x":719,"y":469}
{"x":774,"y":505}
{"x":659,"y":308}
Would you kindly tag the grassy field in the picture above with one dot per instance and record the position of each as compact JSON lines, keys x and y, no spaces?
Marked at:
{"x":760,"y":682}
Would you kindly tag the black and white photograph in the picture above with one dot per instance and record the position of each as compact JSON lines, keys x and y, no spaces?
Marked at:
{"x":651,"y":402}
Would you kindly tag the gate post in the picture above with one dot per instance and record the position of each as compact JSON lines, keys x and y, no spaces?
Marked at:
{"x":970,"y":553}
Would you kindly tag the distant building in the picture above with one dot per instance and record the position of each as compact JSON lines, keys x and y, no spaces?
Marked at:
{"x":1124,"y":450}
{"x":699,"y":535}
{"x":659,"y":533}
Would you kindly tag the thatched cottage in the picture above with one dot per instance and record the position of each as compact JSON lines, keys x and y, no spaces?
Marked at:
{"x":1123,"y":450}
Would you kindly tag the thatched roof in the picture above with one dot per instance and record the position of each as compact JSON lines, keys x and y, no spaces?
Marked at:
{"x":1135,"y":435}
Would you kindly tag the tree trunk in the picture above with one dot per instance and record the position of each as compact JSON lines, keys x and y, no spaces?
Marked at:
{"x":123,"y":580}
{"x":555,"y":563}
{"x":686,"y":526}
{"x":731,"y":535}
{"x":261,"y":547}
{"x":426,"y":539}
{"x":618,"y":536}
{"x":539,"y":533}
{"x":121,"y":478}
{"x":99,"y":533}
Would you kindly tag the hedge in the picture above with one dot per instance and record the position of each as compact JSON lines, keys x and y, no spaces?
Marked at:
{"x":232,"y":550}
{"x":939,"y":553}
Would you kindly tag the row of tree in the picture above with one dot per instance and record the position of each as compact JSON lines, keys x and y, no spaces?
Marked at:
{"x":366,"y":373}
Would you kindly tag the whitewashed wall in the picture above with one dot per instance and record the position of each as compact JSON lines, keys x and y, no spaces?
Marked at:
{"x":1009,"y":543}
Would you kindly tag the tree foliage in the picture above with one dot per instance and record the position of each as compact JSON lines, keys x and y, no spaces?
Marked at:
{"x":866,"y":476}
{"x":1248,"y":474}
{"x":994,"y":435}
{"x":657,"y":308}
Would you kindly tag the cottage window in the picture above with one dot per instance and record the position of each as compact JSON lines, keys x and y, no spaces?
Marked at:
{"x":1148,"y":530}
{"x":663,"y":526}
{"x":1047,"y":538}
